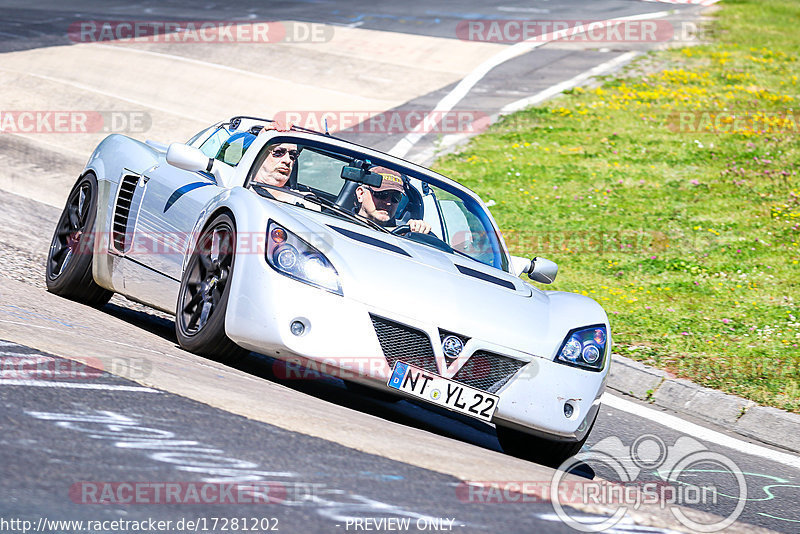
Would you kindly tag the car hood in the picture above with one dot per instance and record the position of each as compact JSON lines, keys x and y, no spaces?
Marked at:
{"x":399,"y":278}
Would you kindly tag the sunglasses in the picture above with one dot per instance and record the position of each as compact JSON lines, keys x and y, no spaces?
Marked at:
{"x":393,"y":196}
{"x":280,"y":152}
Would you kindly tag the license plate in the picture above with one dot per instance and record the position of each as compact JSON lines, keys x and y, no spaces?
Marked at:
{"x":443,"y":392}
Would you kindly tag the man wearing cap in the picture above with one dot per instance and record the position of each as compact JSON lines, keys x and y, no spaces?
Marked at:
{"x":380,"y":204}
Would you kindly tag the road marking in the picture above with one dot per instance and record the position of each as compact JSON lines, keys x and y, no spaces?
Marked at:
{"x":83,"y":87}
{"x":98,"y":338}
{"x":685,"y":2}
{"x":568,"y":84}
{"x":193,"y":61}
{"x":452,"y":98}
{"x":699,"y":432}
{"x":512,"y":9}
{"x":75,"y":385}
{"x":450,"y":140}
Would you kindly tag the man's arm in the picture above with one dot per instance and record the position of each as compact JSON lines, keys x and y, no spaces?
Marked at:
{"x":419,"y":226}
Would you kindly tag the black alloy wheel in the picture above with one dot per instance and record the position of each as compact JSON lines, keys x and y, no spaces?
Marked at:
{"x":203,"y":296}
{"x":69,"y":261}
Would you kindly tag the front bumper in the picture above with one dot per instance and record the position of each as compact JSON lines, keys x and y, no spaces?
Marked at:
{"x":344,"y":338}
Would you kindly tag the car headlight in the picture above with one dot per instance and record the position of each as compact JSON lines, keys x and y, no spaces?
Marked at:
{"x":584,"y":348}
{"x":293,"y":257}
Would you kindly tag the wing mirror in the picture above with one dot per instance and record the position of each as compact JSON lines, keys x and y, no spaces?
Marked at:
{"x":188,"y":158}
{"x":538,"y":269}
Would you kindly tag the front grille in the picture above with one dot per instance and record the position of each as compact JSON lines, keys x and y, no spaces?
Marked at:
{"x":403,"y":343}
{"x":487,"y":371}
{"x":484,"y":370}
{"x":120,"y":232}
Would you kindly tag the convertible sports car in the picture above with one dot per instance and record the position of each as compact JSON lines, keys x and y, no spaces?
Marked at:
{"x":297,"y":273}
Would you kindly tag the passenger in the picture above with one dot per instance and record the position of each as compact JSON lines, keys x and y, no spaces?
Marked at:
{"x":380,"y":204}
{"x":276,"y":170}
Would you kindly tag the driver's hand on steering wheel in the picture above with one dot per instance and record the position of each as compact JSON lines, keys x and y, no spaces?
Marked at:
{"x":419,"y":226}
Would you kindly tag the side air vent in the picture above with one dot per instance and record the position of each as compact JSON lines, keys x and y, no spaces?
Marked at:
{"x":370,"y":240}
{"x":119,"y":233}
{"x":486,"y":277}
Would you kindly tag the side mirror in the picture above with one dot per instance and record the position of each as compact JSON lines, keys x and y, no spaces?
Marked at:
{"x":520,"y":265}
{"x":188,"y":158}
{"x":538,"y":269}
{"x":543,"y":270}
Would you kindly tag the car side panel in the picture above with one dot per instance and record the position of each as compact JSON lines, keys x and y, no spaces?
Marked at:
{"x":115,"y":157}
{"x":173,"y":200}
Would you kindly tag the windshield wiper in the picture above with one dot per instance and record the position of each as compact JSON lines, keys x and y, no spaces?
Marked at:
{"x":262,"y":189}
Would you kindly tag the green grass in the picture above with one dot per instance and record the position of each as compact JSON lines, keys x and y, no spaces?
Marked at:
{"x":687,"y":237}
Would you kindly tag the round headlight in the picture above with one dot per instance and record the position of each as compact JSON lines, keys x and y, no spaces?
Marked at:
{"x":571,"y":350}
{"x":591,"y":354}
{"x":286,"y":257}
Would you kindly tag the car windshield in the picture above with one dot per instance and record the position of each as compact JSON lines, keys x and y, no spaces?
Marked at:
{"x":450,"y":218}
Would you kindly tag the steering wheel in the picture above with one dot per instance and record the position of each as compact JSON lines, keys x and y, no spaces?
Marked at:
{"x":403,"y":229}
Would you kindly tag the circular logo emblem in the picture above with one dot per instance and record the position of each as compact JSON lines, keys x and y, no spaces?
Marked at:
{"x":452,"y":346}
{"x":435,"y":394}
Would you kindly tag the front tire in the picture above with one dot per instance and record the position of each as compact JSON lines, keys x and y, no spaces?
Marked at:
{"x":69,"y":261}
{"x":544,"y":451}
{"x":204,"y":292}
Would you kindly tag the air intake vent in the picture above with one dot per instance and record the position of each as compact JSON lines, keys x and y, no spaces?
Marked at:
{"x":488,"y":371}
{"x":120,"y":234}
{"x":404,"y":343}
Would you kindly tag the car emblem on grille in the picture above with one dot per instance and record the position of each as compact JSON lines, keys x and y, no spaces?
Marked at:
{"x":452,"y":346}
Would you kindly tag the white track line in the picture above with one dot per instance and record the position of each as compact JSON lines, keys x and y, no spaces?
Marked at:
{"x":76,"y":385}
{"x":98,"y":338}
{"x":700,"y":432}
{"x":452,"y":139}
{"x":83,"y":87}
{"x":568,"y":84}
{"x":685,"y":2}
{"x":452,"y":98}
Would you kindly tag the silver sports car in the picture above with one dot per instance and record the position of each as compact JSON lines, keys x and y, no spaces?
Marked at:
{"x":312,"y":249}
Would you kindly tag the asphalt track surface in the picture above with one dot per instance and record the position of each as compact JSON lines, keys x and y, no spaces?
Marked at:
{"x":60,"y":441}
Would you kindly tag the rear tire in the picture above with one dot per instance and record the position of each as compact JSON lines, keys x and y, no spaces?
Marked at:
{"x":203,"y":296}
{"x":69,"y":261}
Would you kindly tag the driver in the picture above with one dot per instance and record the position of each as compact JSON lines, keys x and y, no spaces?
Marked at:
{"x":380,"y":204}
